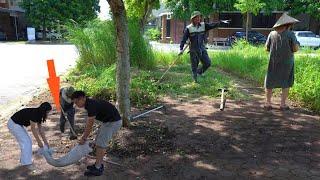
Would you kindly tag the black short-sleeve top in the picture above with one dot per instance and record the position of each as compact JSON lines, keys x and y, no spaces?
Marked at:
{"x":24,"y":116}
{"x":102,"y":110}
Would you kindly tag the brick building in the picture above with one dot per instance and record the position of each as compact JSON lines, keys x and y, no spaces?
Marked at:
{"x":172,"y":29}
{"x":12,"y":20}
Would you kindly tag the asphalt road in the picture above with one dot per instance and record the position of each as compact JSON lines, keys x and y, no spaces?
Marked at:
{"x":23,"y":70}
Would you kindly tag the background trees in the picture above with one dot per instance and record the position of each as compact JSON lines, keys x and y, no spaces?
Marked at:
{"x":48,"y":14}
{"x":141,"y":10}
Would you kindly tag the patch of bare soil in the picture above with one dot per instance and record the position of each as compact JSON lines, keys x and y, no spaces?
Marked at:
{"x":192,"y":139}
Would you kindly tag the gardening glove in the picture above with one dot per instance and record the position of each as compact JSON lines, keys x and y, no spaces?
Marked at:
{"x":180,"y":53}
{"x":225,"y":21}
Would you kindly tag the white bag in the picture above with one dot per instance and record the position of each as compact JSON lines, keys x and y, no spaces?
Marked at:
{"x":73,"y":156}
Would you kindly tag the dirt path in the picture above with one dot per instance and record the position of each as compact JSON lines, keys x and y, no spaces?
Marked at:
{"x":192,"y":139}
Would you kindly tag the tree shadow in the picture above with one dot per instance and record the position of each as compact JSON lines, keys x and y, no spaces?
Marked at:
{"x":242,"y":142}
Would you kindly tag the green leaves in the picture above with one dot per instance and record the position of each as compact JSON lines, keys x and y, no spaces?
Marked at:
{"x":182,"y":9}
{"x":311,"y":7}
{"x":141,"y":9}
{"x":52,"y":13}
{"x":251,"y":6}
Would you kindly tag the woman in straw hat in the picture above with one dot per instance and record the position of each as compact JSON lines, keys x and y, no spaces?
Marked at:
{"x":281,"y":44}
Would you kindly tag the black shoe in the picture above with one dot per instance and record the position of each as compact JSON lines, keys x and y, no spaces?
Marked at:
{"x":195,"y":78}
{"x":72,"y":137}
{"x":62,"y":128}
{"x":93,"y":166}
{"x":93,"y":171}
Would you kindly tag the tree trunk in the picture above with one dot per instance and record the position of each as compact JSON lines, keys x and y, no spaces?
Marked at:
{"x":44,"y":29}
{"x":247,"y":26}
{"x":123,"y":61}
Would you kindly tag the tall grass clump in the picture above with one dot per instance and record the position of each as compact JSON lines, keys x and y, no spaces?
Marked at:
{"x":95,"y":72}
{"x":307,"y":82}
{"x":251,"y":62}
{"x":141,"y":53}
{"x":244,"y":60}
{"x":96,"y":43}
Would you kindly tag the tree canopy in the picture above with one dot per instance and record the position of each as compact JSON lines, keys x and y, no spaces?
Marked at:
{"x":50,"y":13}
{"x":141,"y":10}
{"x":311,"y":7}
{"x":183,"y":8}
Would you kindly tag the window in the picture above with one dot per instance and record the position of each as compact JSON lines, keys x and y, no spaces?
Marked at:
{"x":168,"y":28}
{"x":263,"y":21}
{"x":236,"y":20}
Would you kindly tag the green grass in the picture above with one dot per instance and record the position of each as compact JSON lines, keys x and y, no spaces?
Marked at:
{"x":95,"y":71}
{"x":250,"y":62}
{"x":96,"y":42}
{"x":146,"y":89}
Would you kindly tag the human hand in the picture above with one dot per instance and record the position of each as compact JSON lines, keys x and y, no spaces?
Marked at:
{"x":40,"y":151}
{"x":48,"y":149}
{"x":82,"y":141}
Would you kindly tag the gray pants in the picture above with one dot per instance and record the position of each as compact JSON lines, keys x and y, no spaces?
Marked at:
{"x":106,"y":131}
{"x":199,"y":56}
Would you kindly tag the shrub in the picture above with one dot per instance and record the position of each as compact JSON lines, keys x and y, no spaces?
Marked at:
{"x":153,"y":34}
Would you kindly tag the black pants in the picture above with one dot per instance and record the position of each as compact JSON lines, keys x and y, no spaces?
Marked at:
{"x":199,"y":56}
{"x":70,"y":115}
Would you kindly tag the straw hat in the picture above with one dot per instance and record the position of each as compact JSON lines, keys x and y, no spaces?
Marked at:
{"x":195,"y":14}
{"x":285,"y":19}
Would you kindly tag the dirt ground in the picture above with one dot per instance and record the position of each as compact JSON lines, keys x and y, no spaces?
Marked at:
{"x":190,"y":139}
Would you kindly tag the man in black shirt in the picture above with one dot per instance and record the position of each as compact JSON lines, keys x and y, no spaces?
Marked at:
{"x":102,"y":111}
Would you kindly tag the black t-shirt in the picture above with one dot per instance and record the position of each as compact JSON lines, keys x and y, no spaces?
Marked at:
{"x":24,"y":116}
{"x":102,"y":110}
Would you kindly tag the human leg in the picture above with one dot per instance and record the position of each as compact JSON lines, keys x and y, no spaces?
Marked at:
{"x":24,"y":141}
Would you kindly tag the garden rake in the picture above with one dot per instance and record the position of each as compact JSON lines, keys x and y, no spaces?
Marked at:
{"x":172,"y":63}
{"x":71,"y":128}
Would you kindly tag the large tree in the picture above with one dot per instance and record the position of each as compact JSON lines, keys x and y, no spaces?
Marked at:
{"x":119,"y":18}
{"x":310,"y":7}
{"x":141,"y":10}
{"x":247,"y":7}
{"x":48,"y":14}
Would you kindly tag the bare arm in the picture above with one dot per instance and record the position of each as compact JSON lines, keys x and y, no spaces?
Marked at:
{"x":88,"y":128}
{"x":35,"y":134}
{"x":42,"y":135}
{"x":268,"y":43}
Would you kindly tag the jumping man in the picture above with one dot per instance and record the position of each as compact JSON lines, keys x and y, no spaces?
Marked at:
{"x":196,"y":33}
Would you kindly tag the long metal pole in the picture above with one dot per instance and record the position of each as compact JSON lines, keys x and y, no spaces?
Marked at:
{"x":66,"y":117}
{"x":135,"y":117}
